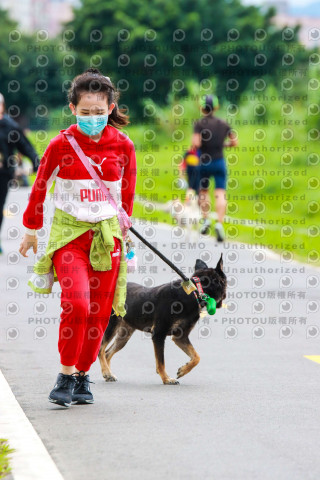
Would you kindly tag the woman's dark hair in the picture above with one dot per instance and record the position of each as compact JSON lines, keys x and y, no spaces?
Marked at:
{"x":92,"y":80}
{"x":210,"y":103}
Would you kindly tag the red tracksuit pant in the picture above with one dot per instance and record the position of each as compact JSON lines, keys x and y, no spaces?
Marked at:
{"x":86,"y":300}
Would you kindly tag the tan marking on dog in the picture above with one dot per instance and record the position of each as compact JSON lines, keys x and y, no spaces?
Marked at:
{"x":105,"y":366}
{"x":175,"y":324}
{"x":187,"y":347}
{"x":121,"y":336}
{"x":160,"y":369}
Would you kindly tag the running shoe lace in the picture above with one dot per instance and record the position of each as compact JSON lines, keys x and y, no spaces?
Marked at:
{"x":83,"y":378}
{"x":66,"y":379}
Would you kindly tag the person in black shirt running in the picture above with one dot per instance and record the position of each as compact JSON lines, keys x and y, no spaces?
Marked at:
{"x":12,"y":138}
{"x":209,"y":134}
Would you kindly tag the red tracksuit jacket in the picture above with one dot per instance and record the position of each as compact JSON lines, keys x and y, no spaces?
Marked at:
{"x":114,"y":160}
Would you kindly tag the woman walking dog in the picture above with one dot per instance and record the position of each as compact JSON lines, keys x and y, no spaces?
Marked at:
{"x":86,"y":247}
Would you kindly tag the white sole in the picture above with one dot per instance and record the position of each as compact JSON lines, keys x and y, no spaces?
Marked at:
{"x":82,"y":403}
{"x":57,"y":403}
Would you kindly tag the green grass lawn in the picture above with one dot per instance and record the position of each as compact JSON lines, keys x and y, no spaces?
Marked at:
{"x":5,"y":451}
{"x":273,"y":184}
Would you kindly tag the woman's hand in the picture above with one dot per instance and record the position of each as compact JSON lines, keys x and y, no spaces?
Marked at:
{"x":27,"y":242}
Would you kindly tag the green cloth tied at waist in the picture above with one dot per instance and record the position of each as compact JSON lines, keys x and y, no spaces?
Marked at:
{"x":66,"y":228}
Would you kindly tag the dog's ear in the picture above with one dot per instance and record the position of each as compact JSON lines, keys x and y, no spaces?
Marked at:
{"x":219,"y":267}
{"x":200,"y":264}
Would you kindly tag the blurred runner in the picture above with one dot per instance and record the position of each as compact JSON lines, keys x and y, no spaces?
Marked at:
{"x":209,"y":134}
{"x":12,"y":138}
{"x":190,"y":168}
{"x":22,"y":171}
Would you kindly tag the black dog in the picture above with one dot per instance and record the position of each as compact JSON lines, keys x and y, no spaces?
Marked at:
{"x":163,"y":310}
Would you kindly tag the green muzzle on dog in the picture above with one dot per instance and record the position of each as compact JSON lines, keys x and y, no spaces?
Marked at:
{"x":211,"y":304}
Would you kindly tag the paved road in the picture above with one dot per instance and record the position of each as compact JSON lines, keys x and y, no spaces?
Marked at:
{"x":249,"y":410}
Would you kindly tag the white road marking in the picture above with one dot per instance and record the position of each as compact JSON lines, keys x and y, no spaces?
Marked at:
{"x":31,"y":460}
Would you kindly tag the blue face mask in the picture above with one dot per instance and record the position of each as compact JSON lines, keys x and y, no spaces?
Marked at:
{"x":92,"y":124}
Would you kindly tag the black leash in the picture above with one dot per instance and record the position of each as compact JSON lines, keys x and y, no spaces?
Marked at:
{"x":187,"y":284}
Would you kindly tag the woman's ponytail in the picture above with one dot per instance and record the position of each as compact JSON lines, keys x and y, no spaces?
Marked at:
{"x":117,"y":118}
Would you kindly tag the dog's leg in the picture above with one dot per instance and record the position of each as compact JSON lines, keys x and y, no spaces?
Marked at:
{"x":123,"y":334}
{"x":185,"y":345}
{"x":109,"y":334}
{"x":158,"y":339}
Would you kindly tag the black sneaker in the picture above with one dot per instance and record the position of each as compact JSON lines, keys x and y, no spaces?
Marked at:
{"x":81,"y":393}
{"x":62,"y":391}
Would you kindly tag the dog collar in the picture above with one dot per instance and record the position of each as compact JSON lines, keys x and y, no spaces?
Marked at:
{"x":199,"y":293}
{"x":205,"y":300}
